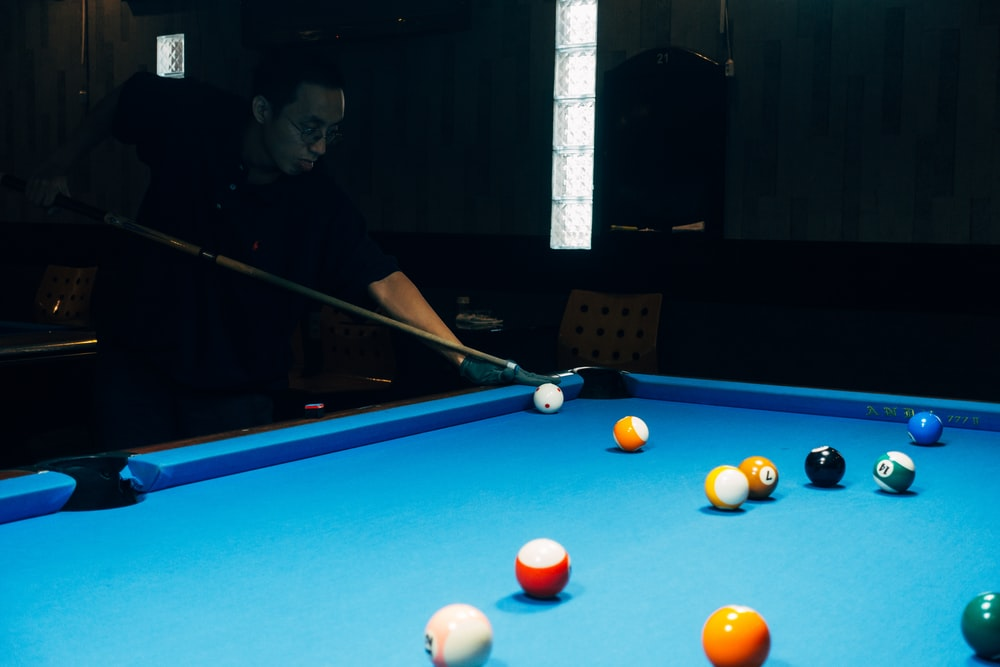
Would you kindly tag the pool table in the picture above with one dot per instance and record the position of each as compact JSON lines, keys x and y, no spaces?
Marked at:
{"x":333,"y":541}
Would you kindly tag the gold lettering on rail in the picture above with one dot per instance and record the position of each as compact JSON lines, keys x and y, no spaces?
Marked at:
{"x":880,"y":411}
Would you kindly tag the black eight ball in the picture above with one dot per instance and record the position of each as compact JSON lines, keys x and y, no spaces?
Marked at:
{"x":825,"y":466}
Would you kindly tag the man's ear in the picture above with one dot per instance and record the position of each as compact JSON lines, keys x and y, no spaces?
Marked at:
{"x":261,"y":109}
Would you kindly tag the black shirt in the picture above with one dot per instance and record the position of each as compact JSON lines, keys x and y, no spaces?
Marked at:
{"x":203,"y":325}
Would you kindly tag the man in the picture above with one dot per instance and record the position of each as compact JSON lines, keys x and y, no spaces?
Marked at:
{"x":187,"y":348}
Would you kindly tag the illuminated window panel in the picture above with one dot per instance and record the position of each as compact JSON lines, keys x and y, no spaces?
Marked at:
{"x":573,"y":124}
{"x":170,"y":56}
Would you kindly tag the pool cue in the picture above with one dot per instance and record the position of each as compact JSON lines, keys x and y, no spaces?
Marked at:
{"x":125,"y":224}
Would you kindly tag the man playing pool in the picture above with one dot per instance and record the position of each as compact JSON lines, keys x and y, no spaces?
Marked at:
{"x":185,"y":348}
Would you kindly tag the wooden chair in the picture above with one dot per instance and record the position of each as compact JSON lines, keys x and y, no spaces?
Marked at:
{"x":340,"y":359}
{"x":63,"y":295}
{"x":610,"y":330}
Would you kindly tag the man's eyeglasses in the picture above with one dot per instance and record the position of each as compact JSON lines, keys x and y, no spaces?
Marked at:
{"x":310,"y":135}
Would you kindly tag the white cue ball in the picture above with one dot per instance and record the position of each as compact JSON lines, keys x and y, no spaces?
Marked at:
{"x":548,"y":397}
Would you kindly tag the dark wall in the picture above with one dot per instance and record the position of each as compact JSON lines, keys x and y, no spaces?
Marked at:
{"x":866,"y":120}
{"x":850,"y":120}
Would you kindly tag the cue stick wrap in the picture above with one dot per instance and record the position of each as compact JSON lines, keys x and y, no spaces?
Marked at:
{"x":133,"y":227}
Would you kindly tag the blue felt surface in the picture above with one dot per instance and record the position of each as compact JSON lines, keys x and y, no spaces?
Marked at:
{"x":340,"y":559}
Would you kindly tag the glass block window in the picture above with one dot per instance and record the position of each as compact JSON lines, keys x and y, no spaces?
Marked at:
{"x":573,"y":124}
{"x":170,"y":56}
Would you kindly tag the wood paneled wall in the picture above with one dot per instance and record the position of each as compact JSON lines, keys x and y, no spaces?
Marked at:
{"x":868,"y":120}
{"x":60,"y":57}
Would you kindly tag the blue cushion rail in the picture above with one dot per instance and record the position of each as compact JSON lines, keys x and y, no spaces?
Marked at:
{"x":187,"y":464}
{"x":26,"y":494}
{"x":834,"y":403}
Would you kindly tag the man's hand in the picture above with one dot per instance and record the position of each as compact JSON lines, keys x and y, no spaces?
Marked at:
{"x":482,"y":372}
{"x":42,"y":188}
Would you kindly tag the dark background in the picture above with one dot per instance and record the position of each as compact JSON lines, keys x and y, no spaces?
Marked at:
{"x":850,"y":120}
{"x":859,"y":246}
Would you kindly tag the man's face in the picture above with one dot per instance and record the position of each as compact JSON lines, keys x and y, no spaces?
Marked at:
{"x":300,"y":134}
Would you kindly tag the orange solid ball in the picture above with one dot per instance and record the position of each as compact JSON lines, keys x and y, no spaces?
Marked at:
{"x":736,"y":636}
{"x":762,"y":475}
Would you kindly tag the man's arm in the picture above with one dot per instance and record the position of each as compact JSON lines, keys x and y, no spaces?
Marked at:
{"x":397,"y":294}
{"x":403,"y":301}
{"x":49,"y":179}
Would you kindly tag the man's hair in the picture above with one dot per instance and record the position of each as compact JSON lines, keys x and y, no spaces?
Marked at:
{"x":281,"y":71}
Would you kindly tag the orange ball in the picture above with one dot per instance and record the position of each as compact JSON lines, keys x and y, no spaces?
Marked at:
{"x":762,"y":475}
{"x":736,"y":636}
{"x":631,"y":433}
